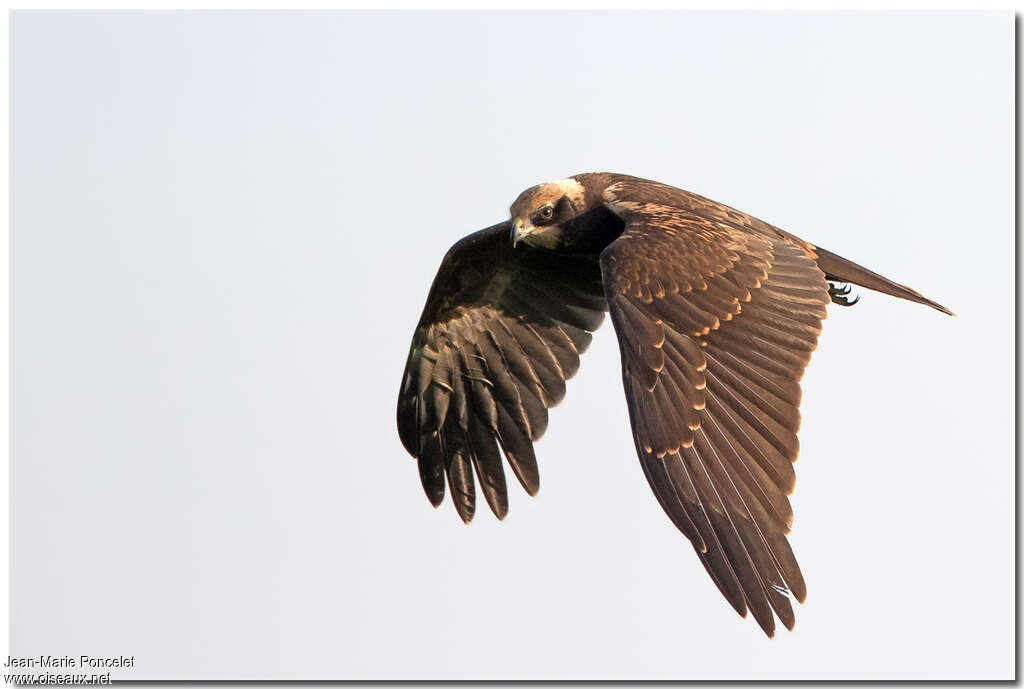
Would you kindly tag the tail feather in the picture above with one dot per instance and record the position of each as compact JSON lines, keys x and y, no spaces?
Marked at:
{"x":838,"y":269}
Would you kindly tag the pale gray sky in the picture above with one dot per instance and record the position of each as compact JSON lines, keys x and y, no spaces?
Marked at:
{"x":224,"y":228}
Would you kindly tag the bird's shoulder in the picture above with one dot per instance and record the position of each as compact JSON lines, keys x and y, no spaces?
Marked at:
{"x":465,"y":271}
{"x":671,"y":209}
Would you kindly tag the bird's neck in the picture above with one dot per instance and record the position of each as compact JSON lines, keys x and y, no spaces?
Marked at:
{"x":590,"y":232}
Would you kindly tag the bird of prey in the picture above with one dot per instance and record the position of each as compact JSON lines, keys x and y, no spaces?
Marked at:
{"x":717,"y":314}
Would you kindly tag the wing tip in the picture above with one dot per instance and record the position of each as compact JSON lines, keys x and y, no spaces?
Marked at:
{"x":499,"y":508}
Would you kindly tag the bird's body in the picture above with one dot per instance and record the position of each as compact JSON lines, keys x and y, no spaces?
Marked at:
{"x":717,"y":314}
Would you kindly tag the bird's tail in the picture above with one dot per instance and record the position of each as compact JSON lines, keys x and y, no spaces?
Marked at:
{"x":838,"y":269}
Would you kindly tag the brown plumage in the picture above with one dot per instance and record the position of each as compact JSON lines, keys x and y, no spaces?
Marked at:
{"x":717,"y":315}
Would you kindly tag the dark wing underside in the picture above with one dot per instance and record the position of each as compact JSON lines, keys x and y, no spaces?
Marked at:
{"x":502,"y":330}
{"x":716,"y":325}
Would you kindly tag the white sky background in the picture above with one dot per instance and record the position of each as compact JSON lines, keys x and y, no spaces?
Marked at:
{"x":224,"y":229}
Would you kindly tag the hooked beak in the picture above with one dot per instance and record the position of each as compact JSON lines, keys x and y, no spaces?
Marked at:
{"x":519,"y":230}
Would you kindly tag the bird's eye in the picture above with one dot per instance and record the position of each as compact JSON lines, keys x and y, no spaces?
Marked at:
{"x":545,"y":215}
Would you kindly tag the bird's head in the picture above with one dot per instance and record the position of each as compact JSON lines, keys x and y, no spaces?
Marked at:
{"x":539,"y":212}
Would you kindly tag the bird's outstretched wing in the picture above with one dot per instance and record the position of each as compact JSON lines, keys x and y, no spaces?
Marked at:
{"x":716,"y":324}
{"x":502,"y":330}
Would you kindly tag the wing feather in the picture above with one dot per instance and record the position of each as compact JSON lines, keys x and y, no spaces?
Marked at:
{"x":502,"y":330}
{"x":487,"y":462}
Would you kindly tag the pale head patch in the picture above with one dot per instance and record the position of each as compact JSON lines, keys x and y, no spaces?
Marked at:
{"x":572,"y":188}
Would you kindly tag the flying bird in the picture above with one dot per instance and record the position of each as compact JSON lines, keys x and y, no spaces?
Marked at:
{"x":717,"y":314}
